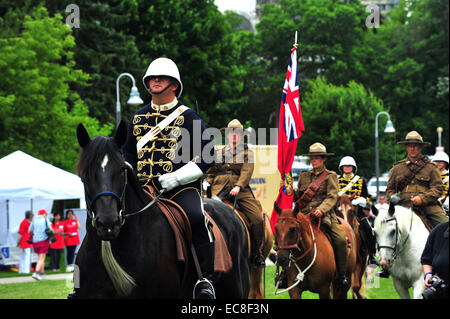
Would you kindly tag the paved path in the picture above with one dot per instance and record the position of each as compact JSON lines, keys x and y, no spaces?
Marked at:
{"x":11,"y":280}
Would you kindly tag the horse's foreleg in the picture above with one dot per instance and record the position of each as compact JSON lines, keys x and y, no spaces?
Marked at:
{"x":294,"y":293}
{"x":325,"y":292}
{"x":402,"y":288}
{"x":418,"y":288}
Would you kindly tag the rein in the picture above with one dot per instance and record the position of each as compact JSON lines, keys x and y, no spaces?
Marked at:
{"x":301,"y":273}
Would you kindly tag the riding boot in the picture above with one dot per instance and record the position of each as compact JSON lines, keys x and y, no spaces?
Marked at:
{"x":204,"y":288}
{"x":257,"y":234}
{"x":369,"y":240}
{"x":339,"y":244}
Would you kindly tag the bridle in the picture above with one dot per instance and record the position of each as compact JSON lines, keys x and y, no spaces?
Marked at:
{"x":394,"y":249}
{"x":301,"y":273}
{"x":120,"y":200}
{"x":299,"y":238}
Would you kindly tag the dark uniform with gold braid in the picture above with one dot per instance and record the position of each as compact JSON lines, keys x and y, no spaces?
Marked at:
{"x":168,"y":153}
{"x":355,"y":187}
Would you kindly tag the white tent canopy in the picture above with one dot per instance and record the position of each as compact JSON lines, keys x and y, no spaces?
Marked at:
{"x":29,"y":183}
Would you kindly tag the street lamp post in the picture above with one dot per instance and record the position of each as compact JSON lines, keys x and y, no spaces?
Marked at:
{"x":439,"y":130}
{"x":134,"y":99}
{"x":389,"y":129}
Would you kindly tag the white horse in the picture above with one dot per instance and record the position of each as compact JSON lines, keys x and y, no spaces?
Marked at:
{"x":401,"y":237}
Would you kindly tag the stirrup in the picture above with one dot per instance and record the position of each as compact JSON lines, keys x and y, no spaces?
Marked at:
{"x":207,"y":287}
{"x":258,"y":260}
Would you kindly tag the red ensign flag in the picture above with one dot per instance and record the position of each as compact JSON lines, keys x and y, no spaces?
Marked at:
{"x":290,"y":128}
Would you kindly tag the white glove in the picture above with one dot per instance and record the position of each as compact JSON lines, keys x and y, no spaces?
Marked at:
{"x":184,"y":175}
{"x":359,"y":201}
{"x":205,"y":185}
{"x":445,"y":205}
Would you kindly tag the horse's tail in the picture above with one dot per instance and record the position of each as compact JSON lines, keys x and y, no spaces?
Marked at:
{"x":123,"y":282}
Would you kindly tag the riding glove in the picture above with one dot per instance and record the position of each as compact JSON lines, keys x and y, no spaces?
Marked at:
{"x":184,"y":175}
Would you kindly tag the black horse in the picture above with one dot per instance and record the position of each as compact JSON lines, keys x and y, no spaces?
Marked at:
{"x":129,"y":253}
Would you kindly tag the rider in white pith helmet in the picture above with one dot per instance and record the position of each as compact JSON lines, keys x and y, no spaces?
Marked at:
{"x":153,"y":150}
{"x":355,"y":187}
{"x":348,"y":161}
{"x":441,"y":161}
{"x":163,"y":67}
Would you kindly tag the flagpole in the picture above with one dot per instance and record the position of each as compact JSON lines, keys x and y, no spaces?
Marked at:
{"x":295,"y":43}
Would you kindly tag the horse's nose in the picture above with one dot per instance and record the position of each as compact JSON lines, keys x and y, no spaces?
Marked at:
{"x":384,"y":263}
{"x":282,"y":260}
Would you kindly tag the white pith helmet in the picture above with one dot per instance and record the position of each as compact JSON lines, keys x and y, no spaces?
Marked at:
{"x":166,"y":67}
{"x":440,"y":157}
{"x":348,"y":160}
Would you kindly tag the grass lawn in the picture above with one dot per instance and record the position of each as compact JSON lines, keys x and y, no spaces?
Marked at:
{"x":46,"y":289}
{"x":380,"y":288}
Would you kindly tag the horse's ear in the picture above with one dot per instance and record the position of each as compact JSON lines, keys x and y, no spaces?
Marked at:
{"x":82,"y":136}
{"x":296,"y":209}
{"x":391,"y":209}
{"x":121,"y":134}
{"x":277,"y":208}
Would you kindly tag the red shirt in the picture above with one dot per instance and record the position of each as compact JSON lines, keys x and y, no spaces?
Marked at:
{"x":71,"y":232}
{"x":59,"y":243}
{"x":23,"y":230}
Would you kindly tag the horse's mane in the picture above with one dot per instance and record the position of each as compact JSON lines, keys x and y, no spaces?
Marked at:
{"x":92,"y":155}
{"x":344,"y":200}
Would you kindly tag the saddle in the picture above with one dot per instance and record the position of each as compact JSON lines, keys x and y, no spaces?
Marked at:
{"x":244,"y":221}
{"x":181,"y":227}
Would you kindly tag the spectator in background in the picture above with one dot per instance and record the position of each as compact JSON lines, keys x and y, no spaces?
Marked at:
{"x":71,"y":226}
{"x":382,"y":204}
{"x":57,"y":247}
{"x":41,"y":242}
{"x":25,"y":243}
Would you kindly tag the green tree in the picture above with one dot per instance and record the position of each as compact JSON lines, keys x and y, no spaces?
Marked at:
{"x":405,"y":62}
{"x":199,"y":39}
{"x":102,"y":50}
{"x":342,"y":118}
{"x":38,"y":111}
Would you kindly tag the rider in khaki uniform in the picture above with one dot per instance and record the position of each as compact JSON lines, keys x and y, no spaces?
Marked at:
{"x":322,"y":205}
{"x":232,"y":173}
{"x":424,"y":189}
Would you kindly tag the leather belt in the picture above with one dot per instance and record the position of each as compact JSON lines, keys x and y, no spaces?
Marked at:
{"x":228,"y":172}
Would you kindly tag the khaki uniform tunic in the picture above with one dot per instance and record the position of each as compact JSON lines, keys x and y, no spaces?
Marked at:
{"x":326,"y":196}
{"x":325,"y":200}
{"x":235,"y":168}
{"x":427,"y":183}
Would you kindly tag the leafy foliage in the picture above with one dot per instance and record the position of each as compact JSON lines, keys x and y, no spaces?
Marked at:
{"x":38,"y":111}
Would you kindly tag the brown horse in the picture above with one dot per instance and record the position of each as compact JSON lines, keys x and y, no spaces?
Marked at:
{"x":306,"y":254}
{"x":256,"y":273}
{"x":345,"y":207}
